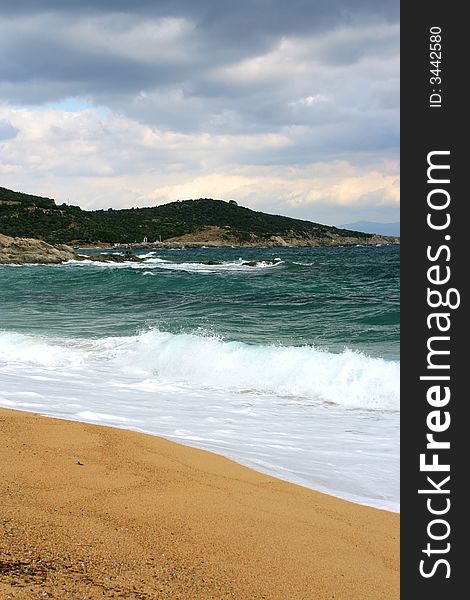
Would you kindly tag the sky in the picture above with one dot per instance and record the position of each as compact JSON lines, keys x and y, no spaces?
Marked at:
{"x":286,"y":107}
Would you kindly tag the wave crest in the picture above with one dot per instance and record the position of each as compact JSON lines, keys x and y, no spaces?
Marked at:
{"x":154,"y":262}
{"x":302,"y":373}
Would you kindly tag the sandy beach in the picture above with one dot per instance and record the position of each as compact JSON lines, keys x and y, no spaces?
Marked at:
{"x":96,"y":512}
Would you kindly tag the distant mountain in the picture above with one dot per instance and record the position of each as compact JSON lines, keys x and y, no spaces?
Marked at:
{"x":198,"y":222}
{"x":378,"y":228}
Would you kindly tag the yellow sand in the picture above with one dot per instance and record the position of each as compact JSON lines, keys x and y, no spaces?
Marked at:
{"x":145,"y":518}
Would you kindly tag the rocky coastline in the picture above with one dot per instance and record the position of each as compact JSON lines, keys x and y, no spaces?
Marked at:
{"x":19,"y":250}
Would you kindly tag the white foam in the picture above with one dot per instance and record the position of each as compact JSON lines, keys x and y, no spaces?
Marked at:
{"x":300,"y":373}
{"x":148,"y":255}
{"x":34,"y":350}
{"x":25,"y":394}
{"x":9,"y":403}
{"x":154,"y":262}
{"x":89,"y":415}
{"x":239,"y":265}
{"x":327,"y":421}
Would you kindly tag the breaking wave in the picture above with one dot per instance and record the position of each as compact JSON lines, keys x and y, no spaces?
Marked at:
{"x":304,"y":373}
{"x":154,"y":262}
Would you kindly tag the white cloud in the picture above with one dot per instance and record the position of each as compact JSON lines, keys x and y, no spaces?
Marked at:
{"x":111,"y":160}
{"x":293,"y":111}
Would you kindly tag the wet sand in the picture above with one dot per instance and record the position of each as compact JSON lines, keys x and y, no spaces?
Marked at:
{"x":96,"y":512}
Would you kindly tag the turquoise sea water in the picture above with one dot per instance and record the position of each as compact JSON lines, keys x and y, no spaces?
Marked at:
{"x":290,"y":368}
{"x":333,"y":298}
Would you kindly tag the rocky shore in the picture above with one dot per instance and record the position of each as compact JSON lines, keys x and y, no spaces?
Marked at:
{"x":212,"y":237}
{"x":21,"y":251}
{"x":216,"y":237}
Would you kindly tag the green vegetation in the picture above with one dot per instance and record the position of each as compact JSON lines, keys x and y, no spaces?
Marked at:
{"x":23,"y":215}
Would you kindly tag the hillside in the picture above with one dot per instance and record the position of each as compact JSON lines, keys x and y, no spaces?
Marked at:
{"x":189,"y":221}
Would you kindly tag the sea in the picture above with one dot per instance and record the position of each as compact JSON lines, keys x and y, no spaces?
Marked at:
{"x":285,"y":360}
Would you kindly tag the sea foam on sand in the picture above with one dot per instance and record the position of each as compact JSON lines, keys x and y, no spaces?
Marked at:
{"x":324,"y":420}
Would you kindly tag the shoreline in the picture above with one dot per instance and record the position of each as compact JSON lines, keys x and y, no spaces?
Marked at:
{"x":175,"y":245}
{"x":179,"y":442}
{"x":104,"y":511}
{"x":27,"y":251}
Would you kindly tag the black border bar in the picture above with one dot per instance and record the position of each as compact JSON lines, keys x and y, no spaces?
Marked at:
{"x":434,"y":124}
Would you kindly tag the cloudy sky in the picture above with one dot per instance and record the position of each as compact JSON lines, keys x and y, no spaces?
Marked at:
{"x":288,"y":107}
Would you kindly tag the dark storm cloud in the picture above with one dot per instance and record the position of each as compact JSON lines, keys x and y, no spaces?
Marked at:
{"x":272,"y":15}
{"x":108,"y":52}
{"x":227,"y":30}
